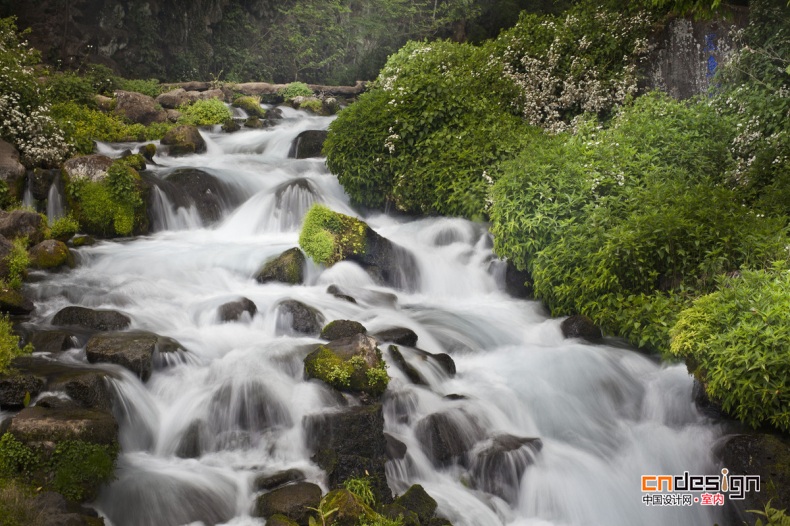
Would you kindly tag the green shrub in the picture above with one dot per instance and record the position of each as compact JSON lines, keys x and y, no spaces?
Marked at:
{"x":328,"y":237}
{"x":17,"y":262}
{"x":70,"y":87}
{"x":112,"y":206}
{"x":9,"y":349}
{"x":63,"y":228}
{"x":736,"y":341}
{"x":252,"y":105}
{"x":150,"y":87}
{"x":295,"y":89}
{"x":204,"y":113}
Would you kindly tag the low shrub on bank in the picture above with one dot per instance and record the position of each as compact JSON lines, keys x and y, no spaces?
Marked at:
{"x":204,"y":113}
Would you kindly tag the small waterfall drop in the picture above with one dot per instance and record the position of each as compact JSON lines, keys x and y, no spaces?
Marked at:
{"x":55,"y":201}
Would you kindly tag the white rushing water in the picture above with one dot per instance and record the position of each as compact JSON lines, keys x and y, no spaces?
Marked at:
{"x":605,"y":415}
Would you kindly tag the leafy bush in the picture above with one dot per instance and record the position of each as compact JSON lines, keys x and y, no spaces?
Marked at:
{"x":150,"y":87}
{"x":112,"y":206}
{"x":328,"y":237}
{"x":204,"y":113}
{"x":429,"y":136}
{"x":295,"y":89}
{"x":63,"y":228}
{"x":70,"y":87}
{"x":17,"y":262}
{"x":737,"y":343}
{"x":9,"y":349}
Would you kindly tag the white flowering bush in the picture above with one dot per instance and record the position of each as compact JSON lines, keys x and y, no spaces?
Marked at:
{"x":585,"y":61}
{"x":24,"y":113}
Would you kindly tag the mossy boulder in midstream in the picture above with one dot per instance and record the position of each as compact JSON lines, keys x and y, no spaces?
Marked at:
{"x":294,"y":501}
{"x":352,"y":364}
{"x":13,"y":302}
{"x":251,"y":105}
{"x":288,"y":267}
{"x":51,"y":254}
{"x":328,"y":237}
{"x":338,"y":329}
{"x":107,"y":200}
{"x":184,"y":140}
{"x":133,"y":350}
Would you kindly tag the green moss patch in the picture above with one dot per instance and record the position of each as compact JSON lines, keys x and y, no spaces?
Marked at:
{"x":252,"y":105}
{"x":328,"y":237}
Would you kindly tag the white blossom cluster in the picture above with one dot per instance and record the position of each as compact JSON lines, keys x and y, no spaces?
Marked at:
{"x":33,"y":133}
{"x":565,"y":80}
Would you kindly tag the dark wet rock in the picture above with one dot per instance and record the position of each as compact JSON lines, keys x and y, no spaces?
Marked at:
{"x":210,"y":196}
{"x":42,"y":426}
{"x":51,"y":254}
{"x":132,"y":350}
{"x":455,"y":396}
{"x":21,"y":223}
{"x":184,"y":140}
{"x":446,"y":437}
{"x":15,"y":387}
{"x":396,"y":512}
{"x":295,"y":316}
{"x":230,"y":126}
{"x":358,"y":430}
{"x":499,"y":465}
{"x":409,"y":370}
{"x":398,"y":335}
{"x":338,"y":329}
{"x":88,"y":167}
{"x":705,"y":405}
{"x":444,"y":360}
{"x":580,"y":326}
{"x":416,"y":499}
{"x":352,"y":364}
{"x":55,"y":510}
{"x":12,"y":172}
{"x":396,"y":449}
{"x":82,"y":240}
{"x":439,"y":521}
{"x":335,"y":291}
{"x":192,"y":442}
{"x":255,"y":123}
{"x":233,"y":310}
{"x":308,"y":144}
{"x":517,"y":282}
{"x":14,"y":303}
{"x":86,"y":386}
{"x":350,"y":509}
{"x":49,"y":340}
{"x":138,"y":108}
{"x":96,"y":319}
{"x":758,"y":454}
{"x":275,"y":480}
{"x":280,"y":520}
{"x":40,"y":181}
{"x":293,"y":501}
{"x":288,"y":267}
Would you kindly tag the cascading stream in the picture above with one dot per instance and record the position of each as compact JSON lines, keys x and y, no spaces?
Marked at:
{"x":604,"y":415}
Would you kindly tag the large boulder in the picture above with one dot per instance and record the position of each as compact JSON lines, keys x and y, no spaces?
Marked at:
{"x":47,"y":340}
{"x":184,"y":140}
{"x":288,"y":267}
{"x":86,"y":387}
{"x":328,"y":237}
{"x":517,"y":282}
{"x":351,"y":443}
{"x":448,"y":436}
{"x":352,"y":364}
{"x":251,"y":105}
{"x":176,"y":98}
{"x":293,"y":501}
{"x":138,"y":108}
{"x":51,"y":254}
{"x":15,"y":388}
{"x":307,"y":144}
{"x":95,"y":319}
{"x":45,"y":426}
{"x":233,"y":310}
{"x":209,"y":195}
{"x":417,"y":500}
{"x":22,"y":223}
{"x":580,"y":326}
{"x":294,"y":316}
{"x":14,"y":303}
{"x":335,"y":330}
{"x":87,"y":167}
{"x":132,"y":350}
{"x":499,"y":464}
{"x":12,"y":172}
{"x":275,"y":480}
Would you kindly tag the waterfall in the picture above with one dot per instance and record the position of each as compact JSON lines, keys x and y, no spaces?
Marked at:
{"x":27,"y":198}
{"x":55,"y":206}
{"x":546,"y":431}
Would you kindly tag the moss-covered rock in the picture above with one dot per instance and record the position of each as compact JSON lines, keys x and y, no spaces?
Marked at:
{"x":251,"y":105}
{"x":293,"y":501}
{"x":335,"y":330}
{"x":22,"y":224}
{"x":288,"y":267}
{"x":280,"y":520}
{"x":351,"y":511}
{"x":51,"y":254}
{"x":255,"y":123}
{"x":230,"y":126}
{"x":417,"y":500}
{"x":138,"y":108}
{"x":87,"y":167}
{"x":134,"y":160}
{"x":82,"y":240}
{"x":184,"y":140}
{"x":14,"y":303}
{"x":351,"y":364}
{"x":147,"y":151}
{"x":328,"y":237}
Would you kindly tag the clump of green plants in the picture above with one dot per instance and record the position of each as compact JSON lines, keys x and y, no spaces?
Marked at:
{"x":360,"y":486}
{"x":113,"y":206}
{"x":352,"y":374}
{"x":150,"y":87}
{"x":737,"y":343}
{"x":17,"y":262}
{"x":295,"y":89}
{"x":251,"y":105}
{"x":74,"y":468}
{"x":64,"y":228}
{"x":313,"y":105}
{"x":9,"y":349}
{"x":19,"y":509}
{"x":772,"y":516}
{"x":328,"y":237}
{"x":205,"y":113}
